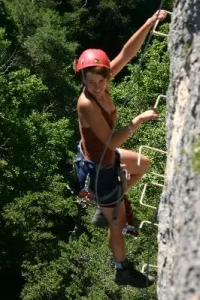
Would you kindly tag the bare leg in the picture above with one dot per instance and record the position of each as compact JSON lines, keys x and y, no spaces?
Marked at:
{"x":129,"y":158}
{"x":124,"y":270}
{"x":115,"y":237}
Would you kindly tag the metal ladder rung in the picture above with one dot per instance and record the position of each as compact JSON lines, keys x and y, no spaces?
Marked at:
{"x":143,"y":193}
{"x":158,"y":33}
{"x":145,"y":266}
{"x":146,"y":222}
{"x":158,"y":100}
{"x":151,"y":148}
{"x":156,"y":174}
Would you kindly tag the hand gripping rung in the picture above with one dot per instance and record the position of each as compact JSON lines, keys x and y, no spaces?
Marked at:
{"x":158,"y":33}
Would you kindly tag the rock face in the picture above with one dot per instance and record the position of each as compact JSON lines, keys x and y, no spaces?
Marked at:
{"x":179,"y":210}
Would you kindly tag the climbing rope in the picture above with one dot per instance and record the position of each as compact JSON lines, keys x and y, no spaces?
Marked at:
{"x":123,"y":106}
{"x":146,"y":294}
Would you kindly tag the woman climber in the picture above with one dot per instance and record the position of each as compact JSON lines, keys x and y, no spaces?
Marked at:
{"x":99,"y":155}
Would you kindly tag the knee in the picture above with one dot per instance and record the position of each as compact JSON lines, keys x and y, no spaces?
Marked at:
{"x":146,"y":164}
{"x":116,"y":225}
{"x":115,"y":229}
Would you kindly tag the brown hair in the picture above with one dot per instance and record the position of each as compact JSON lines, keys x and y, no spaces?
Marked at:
{"x":105,"y":72}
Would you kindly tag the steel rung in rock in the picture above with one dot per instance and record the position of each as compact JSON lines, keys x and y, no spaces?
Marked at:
{"x":146,"y":222}
{"x":144,"y":191}
{"x":151,"y":148}
{"x":159,"y":175}
{"x":145,"y":266}
{"x":158,"y":33}
{"x":158,"y":100}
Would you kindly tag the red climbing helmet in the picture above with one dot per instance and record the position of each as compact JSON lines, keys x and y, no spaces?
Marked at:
{"x":93,"y":57}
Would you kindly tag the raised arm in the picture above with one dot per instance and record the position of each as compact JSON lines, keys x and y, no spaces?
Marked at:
{"x":135,"y":42}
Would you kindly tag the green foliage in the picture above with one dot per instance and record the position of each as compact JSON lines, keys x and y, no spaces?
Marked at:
{"x":22,"y":93}
{"x":81,"y":272}
{"x":35,"y":143}
{"x":106,"y":24}
{"x":36,"y":218}
{"x":4,"y":43}
{"x":196,"y":157}
{"x":34,"y":206}
{"x":10,"y":28}
{"x":47,"y":51}
{"x":4,"y":48}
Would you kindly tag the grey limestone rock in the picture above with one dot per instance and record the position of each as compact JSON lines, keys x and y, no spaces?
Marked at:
{"x":179,"y":209}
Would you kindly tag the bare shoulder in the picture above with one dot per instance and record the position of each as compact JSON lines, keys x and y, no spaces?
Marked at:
{"x":86,"y":104}
{"x":83,"y":101}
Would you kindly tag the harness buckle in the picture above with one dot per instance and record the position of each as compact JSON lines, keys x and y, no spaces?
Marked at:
{"x":127,"y":175}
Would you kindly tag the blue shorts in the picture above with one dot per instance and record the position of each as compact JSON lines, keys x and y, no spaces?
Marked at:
{"x":107,"y":183}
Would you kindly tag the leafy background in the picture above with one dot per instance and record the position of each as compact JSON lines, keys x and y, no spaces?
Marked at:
{"x":49,"y":249}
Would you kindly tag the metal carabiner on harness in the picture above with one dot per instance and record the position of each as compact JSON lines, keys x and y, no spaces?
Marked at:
{"x":86,"y":193}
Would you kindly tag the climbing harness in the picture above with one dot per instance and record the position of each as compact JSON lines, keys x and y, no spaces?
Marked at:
{"x":111,"y":184}
{"x":86,"y":172}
